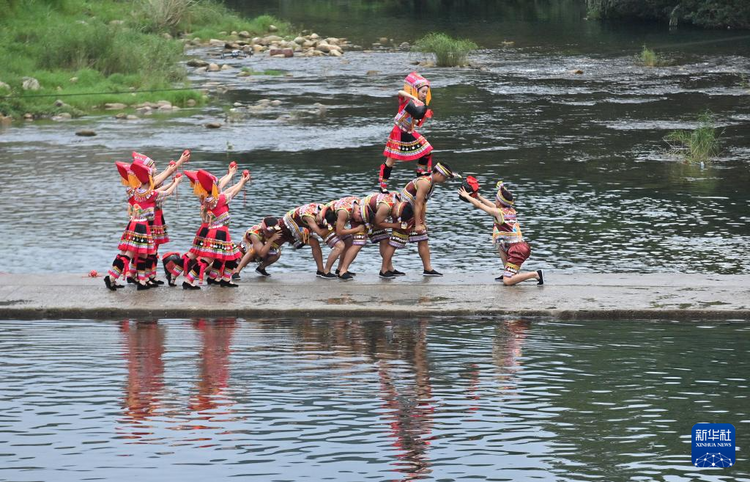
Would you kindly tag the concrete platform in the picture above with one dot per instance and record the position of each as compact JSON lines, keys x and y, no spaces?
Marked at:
{"x":564,"y":296}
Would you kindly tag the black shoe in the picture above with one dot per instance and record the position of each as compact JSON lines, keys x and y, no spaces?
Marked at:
{"x":211,"y":281}
{"x":228,"y":284}
{"x":109,"y":284}
{"x":157,"y":281}
{"x":323,"y":275}
{"x":346,"y":277}
{"x":387,"y":275}
{"x":262,"y":271}
{"x":432,"y":273}
{"x":398,"y":273}
{"x":541,"y":276}
{"x":131,"y":280}
{"x":188,"y":286}
{"x":142,"y":287}
{"x":152,"y":284}
{"x":500,"y":278}
{"x":236,"y":276}
{"x":338,"y":271}
{"x":168,"y":275}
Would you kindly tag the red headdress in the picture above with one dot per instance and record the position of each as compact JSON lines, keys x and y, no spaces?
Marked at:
{"x":413,"y":82}
{"x":128,"y":178}
{"x":144,"y":159}
{"x":143,"y":173}
{"x":206,"y":185}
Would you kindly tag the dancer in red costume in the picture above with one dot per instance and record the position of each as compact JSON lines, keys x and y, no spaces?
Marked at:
{"x":404,"y":142}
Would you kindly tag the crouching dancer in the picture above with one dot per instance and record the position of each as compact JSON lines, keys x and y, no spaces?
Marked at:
{"x":506,"y":235}
{"x":262,"y":244}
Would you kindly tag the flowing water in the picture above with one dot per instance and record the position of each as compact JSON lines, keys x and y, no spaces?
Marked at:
{"x":438,"y":399}
{"x":584,"y":153}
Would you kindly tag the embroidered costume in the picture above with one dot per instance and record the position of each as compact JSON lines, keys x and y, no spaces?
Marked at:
{"x":507,"y":236}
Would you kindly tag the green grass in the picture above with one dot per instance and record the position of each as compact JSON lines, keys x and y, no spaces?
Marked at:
{"x":249,"y":71}
{"x":650,"y":58}
{"x":449,"y":52}
{"x":112,"y":46}
{"x":700,"y":145}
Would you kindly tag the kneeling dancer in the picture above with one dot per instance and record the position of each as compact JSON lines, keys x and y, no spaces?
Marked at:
{"x":506,"y":235}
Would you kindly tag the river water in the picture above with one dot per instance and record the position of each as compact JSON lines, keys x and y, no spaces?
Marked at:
{"x":597,"y":190}
{"x":438,"y":399}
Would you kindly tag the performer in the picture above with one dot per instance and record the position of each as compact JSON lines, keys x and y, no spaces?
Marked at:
{"x":262,"y":244}
{"x":375,"y":210}
{"x":405,"y":143}
{"x":416,"y":193}
{"x":174,"y":268}
{"x":506,"y":235}
{"x":346,"y":210}
{"x":137,"y":242}
{"x":218,"y":250}
{"x":309,"y":222}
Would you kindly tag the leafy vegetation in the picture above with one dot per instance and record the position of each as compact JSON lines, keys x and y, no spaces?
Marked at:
{"x":449,"y":52}
{"x":699,"y":145}
{"x":90,"y":52}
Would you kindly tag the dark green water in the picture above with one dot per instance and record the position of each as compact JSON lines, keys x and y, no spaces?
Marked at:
{"x":433,"y":399}
{"x":584,"y":154}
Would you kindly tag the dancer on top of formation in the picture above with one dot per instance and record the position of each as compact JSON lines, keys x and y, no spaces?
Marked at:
{"x":506,"y":234}
{"x":405,"y":143}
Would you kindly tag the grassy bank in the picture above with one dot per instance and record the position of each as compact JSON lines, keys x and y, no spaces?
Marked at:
{"x":109,"y":50}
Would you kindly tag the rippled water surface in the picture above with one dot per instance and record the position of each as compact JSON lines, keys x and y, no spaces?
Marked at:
{"x":584,"y":153}
{"x":437,"y":399}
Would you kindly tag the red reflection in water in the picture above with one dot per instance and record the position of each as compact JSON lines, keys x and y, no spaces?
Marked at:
{"x":144,"y":348}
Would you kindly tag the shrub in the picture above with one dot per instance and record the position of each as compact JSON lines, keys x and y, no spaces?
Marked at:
{"x":700,"y":145}
{"x":449,"y":52}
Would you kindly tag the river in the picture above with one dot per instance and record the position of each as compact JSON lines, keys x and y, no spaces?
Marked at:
{"x":583,"y":153}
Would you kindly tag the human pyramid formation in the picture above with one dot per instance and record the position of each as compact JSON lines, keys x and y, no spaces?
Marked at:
{"x":389,"y":219}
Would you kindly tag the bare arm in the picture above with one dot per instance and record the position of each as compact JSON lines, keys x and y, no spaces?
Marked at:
{"x":309,"y":221}
{"x":232,"y":191}
{"x":405,"y":94}
{"x":380,"y":219}
{"x":419,"y":206}
{"x":485,"y":200}
{"x":341,"y":225}
{"x":261,"y":249}
{"x":491,"y":210}
{"x":162,"y":176}
{"x":168,"y":191}
{"x":227,"y":178}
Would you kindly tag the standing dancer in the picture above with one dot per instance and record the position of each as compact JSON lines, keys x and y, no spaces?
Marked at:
{"x":137,"y":243}
{"x":174,"y":264}
{"x":404,"y":143}
{"x":218,"y":250}
{"x":416,"y":193}
{"x":506,"y":235}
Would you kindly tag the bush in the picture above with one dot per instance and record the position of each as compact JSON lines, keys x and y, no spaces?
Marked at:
{"x":449,"y":52}
{"x":700,"y":145}
{"x":165,"y":15}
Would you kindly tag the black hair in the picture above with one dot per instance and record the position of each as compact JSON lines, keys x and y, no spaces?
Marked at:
{"x":407,"y":213}
{"x":506,"y":194}
{"x":270,"y":221}
{"x":446,"y":166}
{"x":330,"y":216}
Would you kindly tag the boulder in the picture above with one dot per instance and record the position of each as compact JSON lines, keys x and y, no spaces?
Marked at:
{"x":213,"y":125}
{"x":216,"y":42}
{"x":115,"y":106}
{"x":299,"y":40}
{"x":372,"y":72}
{"x":62,"y":117}
{"x":258,"y":49}
{"x":59,"y":103}
{"x":121,"y":116}
{"x":28,"y":117}
{"x":332,"y":40}
{"x":226,"y":67}
{"x":197,"y":63}
{"x":231,"y":46}
{"x":275,"y":103}
{"x":190,"y":103}
{"x":86,"y":133}
{"x":30,"y":83}
{"x":200,"y":70}
{"x":273,"y":28}
{"x":281,"y":53}
{"x":307,"y":44}
{"x":404,"y":46}
{"x":314,"y":36}
{"x":272,"y":38}
{"x":132,"y":117}
{"x":213,"y":67}
{"x":576,"y":72}
{"x":383,"y":40}
{"x":244,"y":34}
{"x":234,"y":33}
{"x":335,"y":53}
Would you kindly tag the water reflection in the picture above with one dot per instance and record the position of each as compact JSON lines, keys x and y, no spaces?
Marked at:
{"x":351,"y":400}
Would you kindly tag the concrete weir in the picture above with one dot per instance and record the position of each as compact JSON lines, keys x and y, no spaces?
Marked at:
{"x":564,"y":296}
